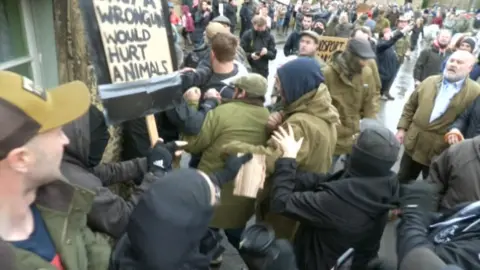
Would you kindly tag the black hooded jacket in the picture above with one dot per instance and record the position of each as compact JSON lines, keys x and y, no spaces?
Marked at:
{"x":335,"y":213}
{"x":166,"y":227}
{"x":387,"y":61}
{"x":109,"y":212}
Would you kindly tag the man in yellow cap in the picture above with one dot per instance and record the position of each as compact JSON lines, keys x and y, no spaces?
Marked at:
{"x":42,"y":216}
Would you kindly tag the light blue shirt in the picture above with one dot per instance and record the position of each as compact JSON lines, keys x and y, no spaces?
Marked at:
{"x":447,"y":91}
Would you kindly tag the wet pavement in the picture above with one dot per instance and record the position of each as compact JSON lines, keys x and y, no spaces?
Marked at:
{"x":389,"y":114}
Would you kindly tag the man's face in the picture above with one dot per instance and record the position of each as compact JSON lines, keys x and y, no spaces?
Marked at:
{"x":458,"y":66}
{"x":402,"y":24}
{"x":264,"y":11}
{"x":37,"y":162}
{"x":307,"y":23}
{"x":362,"y":62}
{"x":239,"y":93}
{"x":307,"y":46}
{"x":387,"y":34}
{"x":465,"y":47}
{"x":361,"y":35}
{"x":444,"y":38}
{"x":306,"y":7}
{"x":278,"y":88}
{"x":47,"y":151}
{"x":259,"y":28}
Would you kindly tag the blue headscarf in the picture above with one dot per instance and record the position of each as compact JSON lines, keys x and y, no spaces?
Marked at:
{"x":299,"y":77}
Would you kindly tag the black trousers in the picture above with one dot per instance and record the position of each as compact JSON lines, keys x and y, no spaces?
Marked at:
{"x":263,"y":72}
{"x":410,"y":169}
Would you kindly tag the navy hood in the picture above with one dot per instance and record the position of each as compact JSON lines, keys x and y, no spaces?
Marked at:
{"x":299,"y":77}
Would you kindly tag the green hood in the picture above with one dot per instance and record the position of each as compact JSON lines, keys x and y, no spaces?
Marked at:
{"x":316,"y":103}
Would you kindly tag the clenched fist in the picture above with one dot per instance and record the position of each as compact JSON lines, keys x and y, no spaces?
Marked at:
{"x":212,"y":93}
{"x":274,"y":120}
{"x":192,"y":94}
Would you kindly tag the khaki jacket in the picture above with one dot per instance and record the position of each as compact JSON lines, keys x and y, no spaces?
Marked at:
{"x":372,"y":64}
{"x":382,"y":23}
{"x":425,"y":140}
{"x":64,"y":209}
{"x":234,"y":121}
{"x":401,"y":48}
{"x":314,"y":118}
{"x":354,"y":99}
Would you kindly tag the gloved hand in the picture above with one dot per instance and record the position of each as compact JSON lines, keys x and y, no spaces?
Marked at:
{"x":160,"y":157}
{"x":417,"y":195}
{"x":230,"y":169}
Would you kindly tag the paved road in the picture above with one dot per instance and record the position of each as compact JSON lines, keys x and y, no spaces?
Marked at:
{"x":389,"y":115}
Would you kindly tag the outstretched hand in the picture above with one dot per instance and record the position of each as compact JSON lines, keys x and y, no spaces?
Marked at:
{"x":286,"y":141}
{"x":232,"y":166}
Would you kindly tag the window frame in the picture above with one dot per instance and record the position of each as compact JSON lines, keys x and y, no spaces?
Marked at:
{"x":33,"y":58}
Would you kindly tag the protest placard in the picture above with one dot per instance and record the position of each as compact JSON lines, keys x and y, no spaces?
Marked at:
{"x":328,"y":45}
{"x":136,"y":41}
{"x":362,"y":8}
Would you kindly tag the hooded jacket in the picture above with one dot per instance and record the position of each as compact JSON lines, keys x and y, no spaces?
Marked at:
{"x":452,"y":173}
{"x":166,"y":227}
{"x":309,"y":110}
{"x":355,"y":96}
{"x":335,"y":212}
{"x":109,"y":212}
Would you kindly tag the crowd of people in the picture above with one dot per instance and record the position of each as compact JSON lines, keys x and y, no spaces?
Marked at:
{"x":329,"y":188}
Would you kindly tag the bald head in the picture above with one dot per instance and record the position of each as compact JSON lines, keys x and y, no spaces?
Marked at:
{"x":459,"y":66}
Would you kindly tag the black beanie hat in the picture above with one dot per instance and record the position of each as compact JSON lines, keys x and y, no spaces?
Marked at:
{"x":470,"y":42}
{"x":374,"y":152}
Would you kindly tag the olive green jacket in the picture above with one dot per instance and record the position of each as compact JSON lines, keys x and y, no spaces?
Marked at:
{"x":401,"y":48}
{"x":64,"y":209}
{"x":382,"y":23}
{"x":314,"y":118}
{"x":372,"y":64}
{"x":354,"y":99}
{"x":233,"y":121}
{"x":425,"y":140}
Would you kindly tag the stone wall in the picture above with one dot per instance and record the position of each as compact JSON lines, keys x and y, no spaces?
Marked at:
{"x":74,"y":61}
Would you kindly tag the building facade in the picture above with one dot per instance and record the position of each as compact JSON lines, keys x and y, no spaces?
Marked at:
{"x":27,"y":40}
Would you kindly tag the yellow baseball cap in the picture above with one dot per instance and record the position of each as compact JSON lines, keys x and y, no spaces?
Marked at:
{"x":27,"y":110}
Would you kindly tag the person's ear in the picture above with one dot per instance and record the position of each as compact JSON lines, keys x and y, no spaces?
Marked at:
{"x":20,"y":159}
{"x":212,"y":55}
